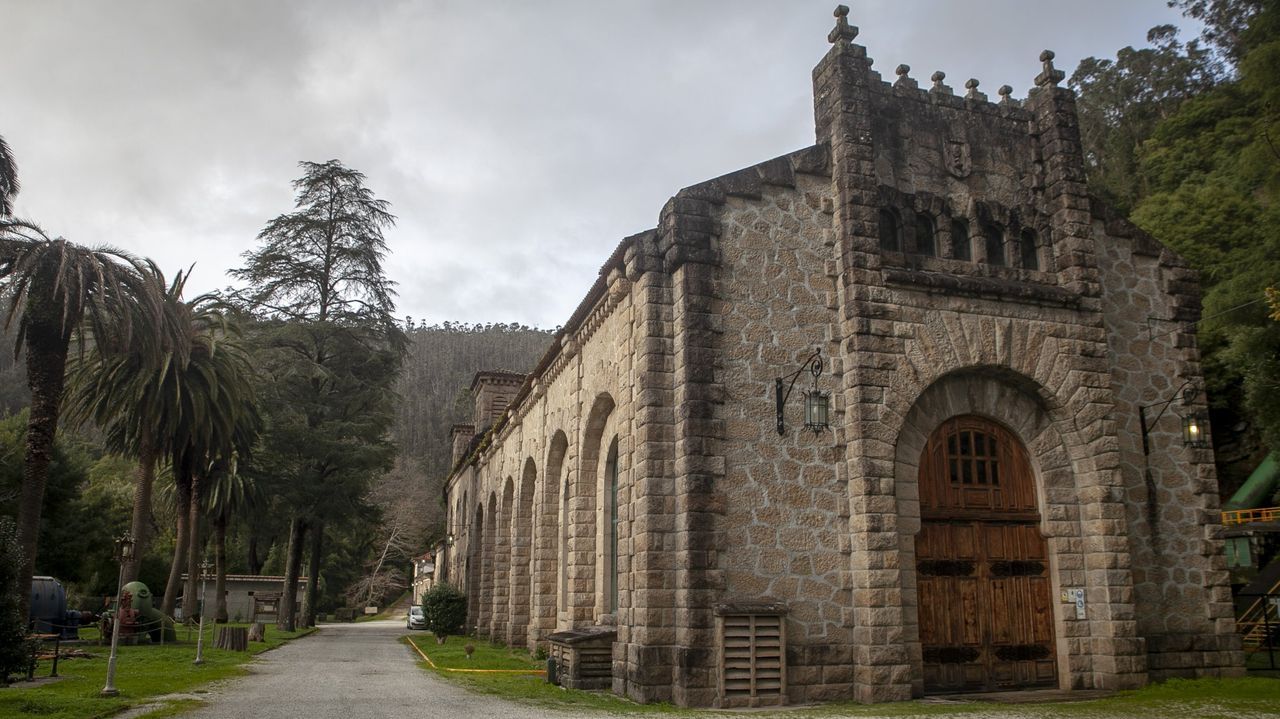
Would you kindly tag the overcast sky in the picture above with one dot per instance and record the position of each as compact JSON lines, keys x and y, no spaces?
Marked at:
{"x":516,"y":141}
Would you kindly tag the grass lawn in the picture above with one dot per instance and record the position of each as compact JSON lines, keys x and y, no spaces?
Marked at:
{"x":142,"y":673}
{"x":1185,"y":699}
{"x":526,"y":688}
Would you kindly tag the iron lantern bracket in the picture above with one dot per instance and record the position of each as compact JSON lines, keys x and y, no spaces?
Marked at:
{"x":1186,"y":392}
{"x":814,"y":366}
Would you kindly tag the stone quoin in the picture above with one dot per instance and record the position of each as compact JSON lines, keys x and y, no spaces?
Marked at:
{"x":979,"y":515}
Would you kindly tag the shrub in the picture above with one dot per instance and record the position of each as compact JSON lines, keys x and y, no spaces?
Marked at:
{"x":445,"y":610}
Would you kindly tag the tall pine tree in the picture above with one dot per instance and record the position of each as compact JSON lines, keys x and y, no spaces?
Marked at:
{"x":330,"y":349}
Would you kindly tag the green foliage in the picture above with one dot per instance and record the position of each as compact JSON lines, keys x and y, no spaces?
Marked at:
{"x":445,"y":610}
{"x":1226,"y":22}
{"x":1212,"y":174}
{"x":1122,"y":100}
{"x":145,"y":673}
{"x":328,"y":348}
{"x":14,"y":646}
{"x":81,"y":516}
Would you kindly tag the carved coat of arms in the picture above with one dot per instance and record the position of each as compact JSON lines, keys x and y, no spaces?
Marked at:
{"x":956,"y":156}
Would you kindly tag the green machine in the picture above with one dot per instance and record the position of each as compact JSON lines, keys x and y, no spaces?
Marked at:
{"x":138,"y":614}
{"x":1256,"y":492}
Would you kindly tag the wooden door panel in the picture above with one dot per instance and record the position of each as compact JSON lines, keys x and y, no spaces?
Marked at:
{"x":982,"y":574}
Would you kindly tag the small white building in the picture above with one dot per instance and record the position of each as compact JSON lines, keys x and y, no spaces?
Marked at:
{"x":424,"y":572}
{"x":241,"y":589}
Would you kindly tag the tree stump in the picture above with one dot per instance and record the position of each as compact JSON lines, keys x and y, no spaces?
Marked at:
{"x":258,"y":632}
{"x":234,"y":638}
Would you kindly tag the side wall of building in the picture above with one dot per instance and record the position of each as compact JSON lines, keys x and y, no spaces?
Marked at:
{"x":1181,"y":592}
{"x":783,"y":538}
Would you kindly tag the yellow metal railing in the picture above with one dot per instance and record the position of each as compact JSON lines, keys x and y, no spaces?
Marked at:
{"x":1245,"y":516}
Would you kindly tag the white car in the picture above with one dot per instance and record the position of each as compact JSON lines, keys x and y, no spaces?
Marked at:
{"x":415,"y":620}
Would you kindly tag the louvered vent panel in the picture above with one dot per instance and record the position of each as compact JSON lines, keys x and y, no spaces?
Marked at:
{"x":754,"y":659}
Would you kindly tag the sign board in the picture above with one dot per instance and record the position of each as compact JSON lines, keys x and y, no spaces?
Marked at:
{"x":370,"y":610}
{"x":1076,"y":597}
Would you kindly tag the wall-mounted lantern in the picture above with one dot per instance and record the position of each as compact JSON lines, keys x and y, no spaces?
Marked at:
{"x":1195,"y":430}
{"x":1195,"y":425}
{"x":817,"y":404}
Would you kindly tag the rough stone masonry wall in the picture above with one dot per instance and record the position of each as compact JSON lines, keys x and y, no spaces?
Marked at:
{"x":842,"y":112}
{"x":785,"y":512}
{"x":644,"y":651}
{"x":593,"y":368}
{"x":909,"y":323}
{"x":1181,"y":593}
{"x":696,"y":226}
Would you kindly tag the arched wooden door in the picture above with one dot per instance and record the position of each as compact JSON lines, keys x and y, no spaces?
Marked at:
{"x":986,"y":622}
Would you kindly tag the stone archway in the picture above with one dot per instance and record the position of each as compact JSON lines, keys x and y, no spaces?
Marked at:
{"x":488,"y":535}
{"x":548,"y":553}
{"x":585,"y":596}
{"x":521,"y":529}
{"x":474,"y":569}
{"x":1061,"y":495}
{"x":502,"y":563}
{"x":985,"y":611}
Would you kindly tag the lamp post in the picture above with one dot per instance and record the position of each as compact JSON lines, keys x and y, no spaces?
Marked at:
{"x":204,"y":579}
{"x":124,"y":551}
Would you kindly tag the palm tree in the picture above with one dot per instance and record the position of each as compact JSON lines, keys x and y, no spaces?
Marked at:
{"x":8,"y":179}
{"x":218,"y":420}
{"x":130,"y":396}
{"x":57,"y":291}
{"x":229,"y":493}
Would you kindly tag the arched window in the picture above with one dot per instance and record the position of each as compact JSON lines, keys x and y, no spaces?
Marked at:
{"x":995,"y":245}
{"x":611,"y":487}
{"x":1027,"y":248}
{"x":925,"y":244}
{"x":890,"y":231}
{"x":960,"y":240}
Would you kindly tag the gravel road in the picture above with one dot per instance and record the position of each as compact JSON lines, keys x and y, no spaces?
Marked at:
{"x":350,"y":671}
{"x":363,"y":671}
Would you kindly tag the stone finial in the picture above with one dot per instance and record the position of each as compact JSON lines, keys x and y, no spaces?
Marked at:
{"x":938,"y":87}
{"x":972,"y":86}
{"x":904,"y":80}
{"x":1005,"y":91}
{"x":1049,"y":75}
{"x":843,"y":31}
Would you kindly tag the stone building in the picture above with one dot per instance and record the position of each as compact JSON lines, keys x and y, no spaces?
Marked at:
{"x":980,"y":513}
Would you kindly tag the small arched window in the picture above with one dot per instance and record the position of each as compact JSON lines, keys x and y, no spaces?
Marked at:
{"x":890,"y":231}
{"x":925,"y":243}
{"x":995,"y":245}
{"x":1028,"y":250}
{"x":960,"y":240}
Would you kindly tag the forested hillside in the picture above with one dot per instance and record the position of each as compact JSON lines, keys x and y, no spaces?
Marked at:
{"x":1184,"y":137}
{"x":437,"y":372}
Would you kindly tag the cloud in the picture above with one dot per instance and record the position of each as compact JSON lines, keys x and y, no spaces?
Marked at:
{"x":517,"y":142}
